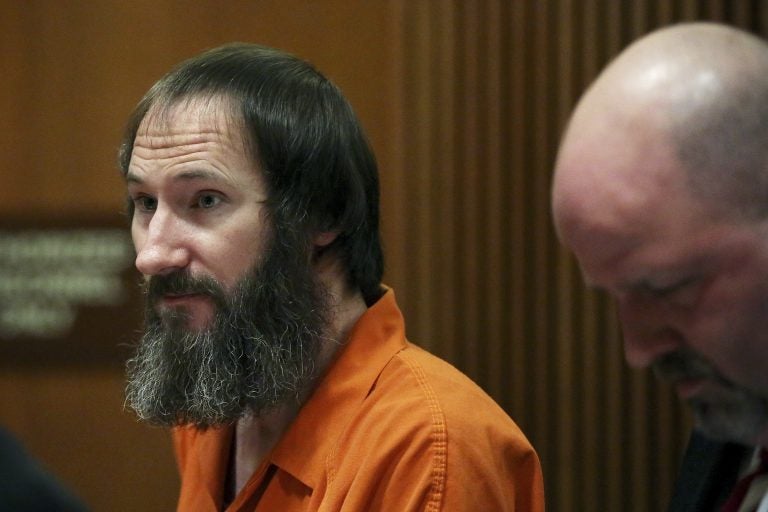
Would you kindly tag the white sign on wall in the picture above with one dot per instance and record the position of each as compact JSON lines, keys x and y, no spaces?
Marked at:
{"x":53,"y":279}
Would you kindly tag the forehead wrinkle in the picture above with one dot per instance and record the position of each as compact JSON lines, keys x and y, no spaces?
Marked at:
{"x":169,"y":146}
{"x":183,"y":147}
{"x":155,"y":137}
{"x":190,"y":145}
{"x":214,"y":118}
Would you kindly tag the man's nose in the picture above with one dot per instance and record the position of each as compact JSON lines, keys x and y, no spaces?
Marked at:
{"x":647,"y":331}
{"x":161,"y":245}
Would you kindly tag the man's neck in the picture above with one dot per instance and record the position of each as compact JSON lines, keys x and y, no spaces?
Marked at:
{"x":255,"y":437}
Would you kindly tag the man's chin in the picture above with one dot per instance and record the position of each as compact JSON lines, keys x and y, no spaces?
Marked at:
{"x":199,"y":323}
{"x":734,"y":421}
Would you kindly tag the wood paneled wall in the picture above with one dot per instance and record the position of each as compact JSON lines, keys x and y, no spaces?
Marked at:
{"x":464,"y":102}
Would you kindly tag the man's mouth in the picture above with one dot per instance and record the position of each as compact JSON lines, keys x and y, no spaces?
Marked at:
{"x":197,"y":308}
{"x":687,"y":388}
{"x":179,"y":299}
{"x":690,"y":375}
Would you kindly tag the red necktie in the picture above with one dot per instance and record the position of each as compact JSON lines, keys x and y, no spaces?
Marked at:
{"x":742,"y":486}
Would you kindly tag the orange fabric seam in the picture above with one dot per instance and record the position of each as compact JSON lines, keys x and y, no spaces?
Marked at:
{"x":438,"y":434}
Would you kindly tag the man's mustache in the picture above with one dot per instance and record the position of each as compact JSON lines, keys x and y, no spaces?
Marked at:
{"x":683,"y":365}
{"x":182,"y":282}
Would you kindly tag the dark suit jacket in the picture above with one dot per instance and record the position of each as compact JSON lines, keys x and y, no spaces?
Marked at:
{"x":25,"y":486}
{"x":707,"y":473}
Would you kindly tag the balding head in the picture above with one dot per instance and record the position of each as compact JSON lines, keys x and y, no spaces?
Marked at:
{"x":696,"y":92}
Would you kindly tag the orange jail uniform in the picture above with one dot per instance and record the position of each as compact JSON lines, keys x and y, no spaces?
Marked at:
{"x":390,"y":427}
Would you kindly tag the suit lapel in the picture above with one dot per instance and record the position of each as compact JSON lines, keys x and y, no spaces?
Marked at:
{"x":707,"y":473}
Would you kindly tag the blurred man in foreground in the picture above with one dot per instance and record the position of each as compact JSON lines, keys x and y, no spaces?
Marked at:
{"x":661,"y":191}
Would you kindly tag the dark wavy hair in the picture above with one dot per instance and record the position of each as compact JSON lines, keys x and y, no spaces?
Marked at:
{"x":319,"y":168}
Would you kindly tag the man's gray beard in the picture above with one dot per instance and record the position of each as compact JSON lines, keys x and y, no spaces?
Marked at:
{"x":732,"y":413}
{"x":258,"y":353}
{"x":739,"y":416}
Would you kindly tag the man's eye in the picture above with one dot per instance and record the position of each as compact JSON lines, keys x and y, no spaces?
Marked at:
{"x":206,"y":201}
{"x":671,"y":288}
{"x":145,"y":203}
{"x":662,"y":290}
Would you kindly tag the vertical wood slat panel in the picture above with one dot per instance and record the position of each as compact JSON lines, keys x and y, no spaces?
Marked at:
{"x":394,"y":177}
{"x":570,"y":484}
{"x":416,"y":188}
{"x":495,"y":310}
{"x":741,"y":11}
{"x":471,"y":121}
{"x":521,"y":343}
{"x":763,"y":20}
{"x":689,"y":9}
{"x":444,"y":169}
{"x":715,"y":9}
{"x":522,"y":323}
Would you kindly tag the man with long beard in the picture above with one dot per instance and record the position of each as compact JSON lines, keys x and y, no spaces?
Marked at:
{"x":270,"y":346}
{"x":660,"y":190}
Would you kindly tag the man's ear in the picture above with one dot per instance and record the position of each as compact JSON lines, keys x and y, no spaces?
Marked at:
{"x":324,"y":238}
{"x":321,"y":242}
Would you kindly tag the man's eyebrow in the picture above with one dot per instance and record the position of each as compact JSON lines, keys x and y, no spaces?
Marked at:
{"x":188,"y":175}
{"x":198,"y":174}
{"x":132,"y":178}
